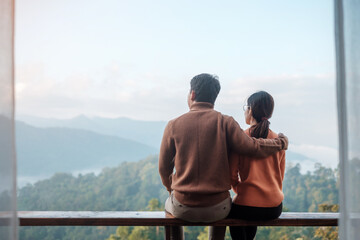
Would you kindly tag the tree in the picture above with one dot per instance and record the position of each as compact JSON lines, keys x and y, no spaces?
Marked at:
{"x":122,"y":233}
{"x":154,"y":205}
{"x":327,"y":233}
{"x":140,"y":233}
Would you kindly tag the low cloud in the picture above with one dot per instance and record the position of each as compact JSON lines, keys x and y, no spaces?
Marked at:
{"x":327,"y":156}
{"x":305,"y":106}
{"x":110,"y":94}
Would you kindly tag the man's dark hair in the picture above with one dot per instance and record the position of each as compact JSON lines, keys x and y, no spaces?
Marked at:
{"x":206,"y":87}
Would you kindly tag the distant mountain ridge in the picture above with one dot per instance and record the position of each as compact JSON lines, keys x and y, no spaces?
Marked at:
{"x":146,"y":132}
{"x":85,"y":144}
{"x":45,"y":151}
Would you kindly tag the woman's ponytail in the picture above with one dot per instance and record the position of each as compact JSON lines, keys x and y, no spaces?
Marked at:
{"x":261,"y":129}
{"x":262,"y":106}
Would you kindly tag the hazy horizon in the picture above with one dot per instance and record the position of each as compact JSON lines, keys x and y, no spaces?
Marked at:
{"x":135,"y":59}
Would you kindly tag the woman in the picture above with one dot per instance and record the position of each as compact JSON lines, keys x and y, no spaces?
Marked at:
{"x":259,"y":193}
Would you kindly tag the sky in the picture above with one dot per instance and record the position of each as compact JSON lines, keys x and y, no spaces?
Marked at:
{"x":135,"y":58}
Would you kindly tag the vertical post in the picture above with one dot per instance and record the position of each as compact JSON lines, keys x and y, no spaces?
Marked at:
{"x":8,"y":230}
{"x":341,"y":109}
{"x":167,"y":232}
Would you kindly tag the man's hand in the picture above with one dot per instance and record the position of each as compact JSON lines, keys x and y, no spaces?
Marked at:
{"x":286,"y":140}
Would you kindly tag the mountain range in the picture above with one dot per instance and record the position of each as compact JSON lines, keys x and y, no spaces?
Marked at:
{"x":45,"y":151}
{"x":83,"y":144}
{"x":146,"y":132}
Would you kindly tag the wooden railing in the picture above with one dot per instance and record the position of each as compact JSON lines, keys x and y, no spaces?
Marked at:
{"x":138,"y":218}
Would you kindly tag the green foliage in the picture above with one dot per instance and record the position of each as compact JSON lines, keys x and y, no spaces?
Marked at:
{"x":127,"y":187}
{"x":308,"y":192}
{"x":327,"y":233}
{"x":137,"y":186}
{"x":304,"y":192}
{"x":133,"y":233}
{"x":141,"y":232}
{"x":285,"y":233}
{"x":122,"y":232}
{"x":65,"y":233}
{"x":203,"y":235}
{"x":154,"y":205}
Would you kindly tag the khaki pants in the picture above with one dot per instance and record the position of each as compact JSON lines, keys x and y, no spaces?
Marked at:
{"x":198,"y":214}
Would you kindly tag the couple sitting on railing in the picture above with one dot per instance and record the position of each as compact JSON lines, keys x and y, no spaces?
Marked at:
{"x":209,"y":151}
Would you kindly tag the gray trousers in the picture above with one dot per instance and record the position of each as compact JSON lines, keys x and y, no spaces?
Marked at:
{"x":198,"y":214}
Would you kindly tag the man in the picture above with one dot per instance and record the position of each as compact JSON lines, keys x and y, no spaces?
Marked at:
{"x":197,"y":144}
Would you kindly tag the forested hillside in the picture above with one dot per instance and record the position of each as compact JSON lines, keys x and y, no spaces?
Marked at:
{"x":132,"y":185}
{"x":82,"y":145}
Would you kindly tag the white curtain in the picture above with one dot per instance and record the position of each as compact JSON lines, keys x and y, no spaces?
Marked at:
{"x":8,"y":219}
{"x":347,"y":26}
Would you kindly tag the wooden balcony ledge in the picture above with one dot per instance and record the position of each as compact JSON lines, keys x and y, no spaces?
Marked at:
{"x":138,"y":218}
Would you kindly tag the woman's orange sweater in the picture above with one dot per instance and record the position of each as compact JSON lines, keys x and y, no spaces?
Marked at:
{"x":257,"y":182}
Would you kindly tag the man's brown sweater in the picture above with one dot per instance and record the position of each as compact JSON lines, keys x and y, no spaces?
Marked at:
{"x":197,"y":144}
